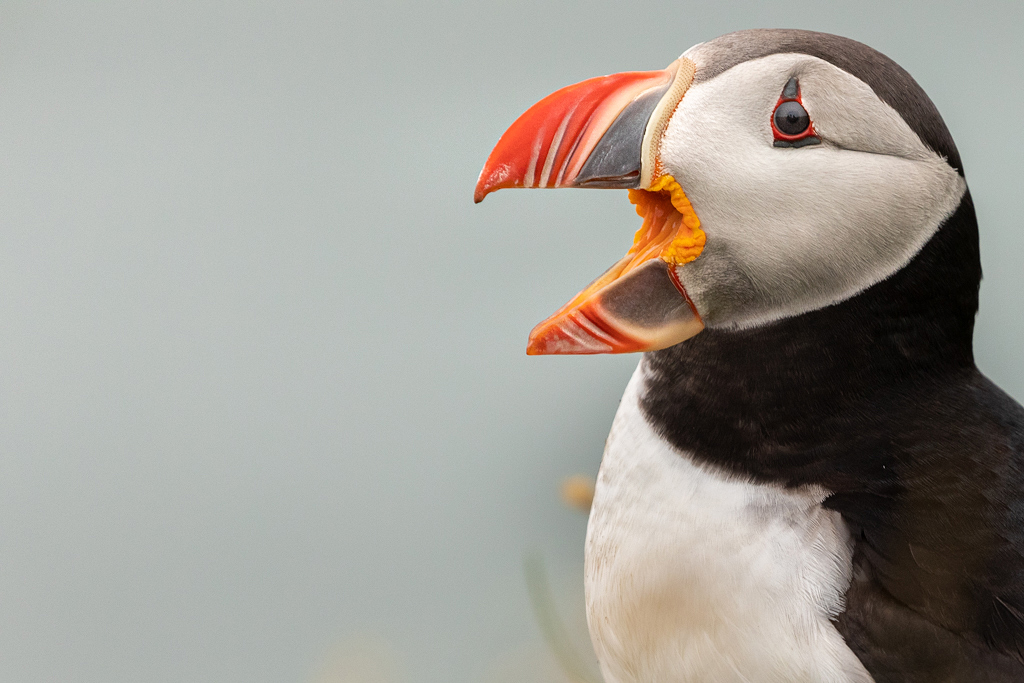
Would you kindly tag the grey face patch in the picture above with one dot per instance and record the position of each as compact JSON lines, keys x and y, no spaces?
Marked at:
{"x":791,"y":90}
{"x":798,"y":143}
{"x":803,"y":142}
{"x":615,"y":161}
{"x":887,"y":79}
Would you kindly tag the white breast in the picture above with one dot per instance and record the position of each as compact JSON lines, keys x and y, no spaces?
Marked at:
{"x":693,"y":575}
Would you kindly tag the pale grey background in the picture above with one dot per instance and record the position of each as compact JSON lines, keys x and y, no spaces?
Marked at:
{"x":263,"y":390}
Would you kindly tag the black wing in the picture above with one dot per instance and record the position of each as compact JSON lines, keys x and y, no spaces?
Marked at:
{"x":938,"y":590}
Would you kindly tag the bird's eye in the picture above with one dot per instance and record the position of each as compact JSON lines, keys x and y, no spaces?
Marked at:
{"x":791,"y":124}
{"x":791,"y":118}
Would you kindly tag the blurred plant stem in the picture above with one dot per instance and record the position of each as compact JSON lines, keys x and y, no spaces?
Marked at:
{"x":551,"y":625}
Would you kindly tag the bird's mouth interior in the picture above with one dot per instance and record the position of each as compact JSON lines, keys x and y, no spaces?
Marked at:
{"x":613,"y":314}
{"x":670,"y":231}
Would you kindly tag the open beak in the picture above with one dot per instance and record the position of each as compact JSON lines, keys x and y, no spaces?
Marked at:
{"x":606,"y":132}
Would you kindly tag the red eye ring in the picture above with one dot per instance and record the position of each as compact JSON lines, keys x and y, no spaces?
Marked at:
{"x":794,"y":117}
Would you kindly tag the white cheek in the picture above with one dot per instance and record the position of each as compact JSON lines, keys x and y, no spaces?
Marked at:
{"x":806,"y":227}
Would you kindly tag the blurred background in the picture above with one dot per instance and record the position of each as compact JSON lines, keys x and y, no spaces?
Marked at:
{"x":265,"y":411}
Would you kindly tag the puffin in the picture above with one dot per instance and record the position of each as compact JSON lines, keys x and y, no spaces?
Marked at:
{"x":807,"y":479}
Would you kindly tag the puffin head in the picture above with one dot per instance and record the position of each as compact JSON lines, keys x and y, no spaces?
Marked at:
{"x":776,"y":172}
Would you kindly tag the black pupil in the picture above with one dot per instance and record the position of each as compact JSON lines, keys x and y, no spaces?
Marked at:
{"x":791,"y":118}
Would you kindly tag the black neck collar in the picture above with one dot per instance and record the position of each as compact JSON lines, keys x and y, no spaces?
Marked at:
{"x":787,"y":401}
